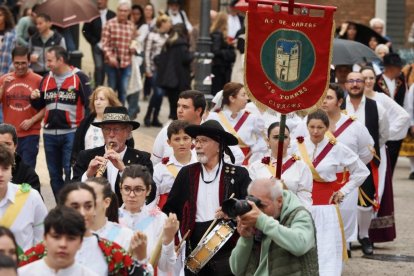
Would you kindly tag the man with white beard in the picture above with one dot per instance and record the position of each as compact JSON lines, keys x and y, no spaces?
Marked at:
{"x":200,"y":188}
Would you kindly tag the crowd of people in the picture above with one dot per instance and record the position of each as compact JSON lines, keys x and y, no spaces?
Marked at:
{"x":124,"y":211}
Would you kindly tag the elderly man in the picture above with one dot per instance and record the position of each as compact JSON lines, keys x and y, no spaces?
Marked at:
{"x":277,"y":239}
{"x":114,"y":156}
{"x":200,"y":188}
{"x":117,"y":35}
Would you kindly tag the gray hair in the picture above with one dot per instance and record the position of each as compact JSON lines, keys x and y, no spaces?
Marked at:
{"x":374,"y":21}
{"x":382,"y":47}
{"x":273,"y":185}
{"x":125,"y":2}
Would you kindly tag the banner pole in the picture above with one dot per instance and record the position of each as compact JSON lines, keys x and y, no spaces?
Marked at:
{"x":282,"y":127}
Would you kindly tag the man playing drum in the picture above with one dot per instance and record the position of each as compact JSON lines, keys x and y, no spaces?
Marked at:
{"x":200,"y":188}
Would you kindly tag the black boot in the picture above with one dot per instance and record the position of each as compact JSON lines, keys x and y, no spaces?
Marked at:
{"x":147,"y":118}
{"x":155,"y":121}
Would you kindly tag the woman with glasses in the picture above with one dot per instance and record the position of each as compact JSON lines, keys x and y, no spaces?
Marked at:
{"x":295,"y":174}
{"x":102,"y":256}
{"x":135,"y":186}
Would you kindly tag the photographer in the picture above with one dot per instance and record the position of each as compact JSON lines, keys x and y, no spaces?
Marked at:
{"x":279,"y":238}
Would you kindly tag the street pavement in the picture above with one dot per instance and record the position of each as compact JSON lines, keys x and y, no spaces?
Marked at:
{"x":357,"y":265}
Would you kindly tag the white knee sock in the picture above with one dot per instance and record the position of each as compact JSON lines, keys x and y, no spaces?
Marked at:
{"x":364,"y":220}
{"x":411,"y":163}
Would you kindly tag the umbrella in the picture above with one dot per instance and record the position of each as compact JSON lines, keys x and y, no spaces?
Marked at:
{"x":65,"y":13}
{"x":364,"y":34}
{"x":351,"y":52}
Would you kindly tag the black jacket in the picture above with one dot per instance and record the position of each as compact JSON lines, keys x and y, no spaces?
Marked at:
{"x":224,"y":53}
{"x":92,"y":31}
{"x":23,"y":173}
{"x":174,"y":66}
{"x":132,"y":156}
{"x":79,"y":142}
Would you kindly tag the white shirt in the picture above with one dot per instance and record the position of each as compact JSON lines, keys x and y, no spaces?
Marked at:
{"x":102,"y":14}
{"x":360,"y":114}
{"x":116,"y":233}
{"x":338,"y":157}
{"x":28,"y":226}
{"x":111,"y":171}
{"x":163,"y":177}
{"x":391,"y":85}
{"x":91,"y":255}
{"x":176,"y":18}
{"x":409,"y":104}
{"x":150,"y":221}
{"x":208,"y":194}
{"x":398,"y":118}
{"x":251,"y":132}
{"x":233,"y":23}
{"x":40,"y":268}
{"x":298,"y":178}
{"x":161,"y":149}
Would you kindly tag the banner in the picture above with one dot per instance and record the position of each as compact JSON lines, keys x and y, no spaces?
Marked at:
{"x":288,"y":57}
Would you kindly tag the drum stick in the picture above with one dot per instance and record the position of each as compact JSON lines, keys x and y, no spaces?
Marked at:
{"x":213,"y":223}
{"x":182,"y":241}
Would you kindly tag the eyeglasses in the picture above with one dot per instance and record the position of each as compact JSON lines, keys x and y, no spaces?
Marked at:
{"x":137,"y":191}
{"x":353,"y":81}
{"x":115,"y":130}
{"x":201,"y":141}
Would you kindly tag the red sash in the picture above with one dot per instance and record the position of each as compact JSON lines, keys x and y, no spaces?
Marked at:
{"x":323,"y":153}
{"x":245,"y":151}
{"x":162,"y":200}
{"x":343,"y":127}
{"x":322,"y":191}
{"x":288,"y":164}
{"x":241,"y":121}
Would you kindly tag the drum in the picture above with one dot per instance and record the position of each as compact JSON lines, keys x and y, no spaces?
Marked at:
{"x":209,"y":246}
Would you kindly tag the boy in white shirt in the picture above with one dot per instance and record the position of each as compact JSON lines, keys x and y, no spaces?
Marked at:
{"x":64,"y":230}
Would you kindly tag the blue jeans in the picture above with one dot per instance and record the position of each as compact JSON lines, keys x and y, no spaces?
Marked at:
{"x":133,"y":105}
{"x":58,"y":149}
{"x":98,"y":59}
{"x":118,"y":79}
{"x":28,"y":148}
{"x":156,"y":98}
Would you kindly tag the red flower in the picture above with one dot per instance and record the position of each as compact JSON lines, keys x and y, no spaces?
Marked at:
{"x":118,"y":256}
{"x":165,"y":160}
{"x":127,"y":261}
{"x":266,"y":160}
{"x":39,"y":249}
{"x":300,"y":139}
{"x":111,"y":266}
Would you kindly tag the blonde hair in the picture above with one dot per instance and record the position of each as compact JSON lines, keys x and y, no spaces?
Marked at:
{"x":161,"y":18}
{"x":220,"y":24}
{"x":109,"y":94}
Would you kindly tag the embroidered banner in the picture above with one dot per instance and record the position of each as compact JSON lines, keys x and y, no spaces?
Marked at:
{"x":288,"y":58}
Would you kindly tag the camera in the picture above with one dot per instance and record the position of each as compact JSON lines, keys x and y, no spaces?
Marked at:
{"x":233,"y":207}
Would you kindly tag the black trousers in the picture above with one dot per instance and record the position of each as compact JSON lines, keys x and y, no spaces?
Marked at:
{"x":393,"y":151}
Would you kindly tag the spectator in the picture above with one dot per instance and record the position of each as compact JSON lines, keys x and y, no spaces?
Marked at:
{"x":92,"y":32}
{"x":235,"y":21}
{"x":267,"y":233}
{"x":21,"y":172}
{"x":15,"y":90}
{"x":7,"y":266}
{"x":117,"y":35}
{"x":177,"y":15}
{"x":39,"y":43}
{"x":153,"y":46}
{"x":224,"y":53}
{"x":64,"y":92}
{"x":378,"y":25}
{"x":174,"y":70}
{"x":22,"y":27}
{"x":7,"y":39}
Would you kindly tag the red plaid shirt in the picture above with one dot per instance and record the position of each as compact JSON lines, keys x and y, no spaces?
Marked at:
{"x":116,"y":39}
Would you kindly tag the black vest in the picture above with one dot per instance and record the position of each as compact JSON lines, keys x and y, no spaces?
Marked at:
{"x":399,"y":95}
{"x":371,"y":122}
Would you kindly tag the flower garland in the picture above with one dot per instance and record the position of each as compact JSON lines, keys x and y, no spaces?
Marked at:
{"x":117,"y":258}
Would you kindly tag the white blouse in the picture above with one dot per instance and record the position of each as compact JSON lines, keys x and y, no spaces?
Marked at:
{"x":40,"y":268}
{"x":297,"y":178}
{"x":338,"y":157}
{"x":94,"y":137}
{"x":116,"y":233}
{"x":91,"y":256}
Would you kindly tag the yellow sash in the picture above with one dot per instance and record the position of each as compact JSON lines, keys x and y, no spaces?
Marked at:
{"x":341,"y":226}
{"x":13,"y":211}
{"x":305,"y":156}
{"x":230,"y":128}
{"x":172,"y":169}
